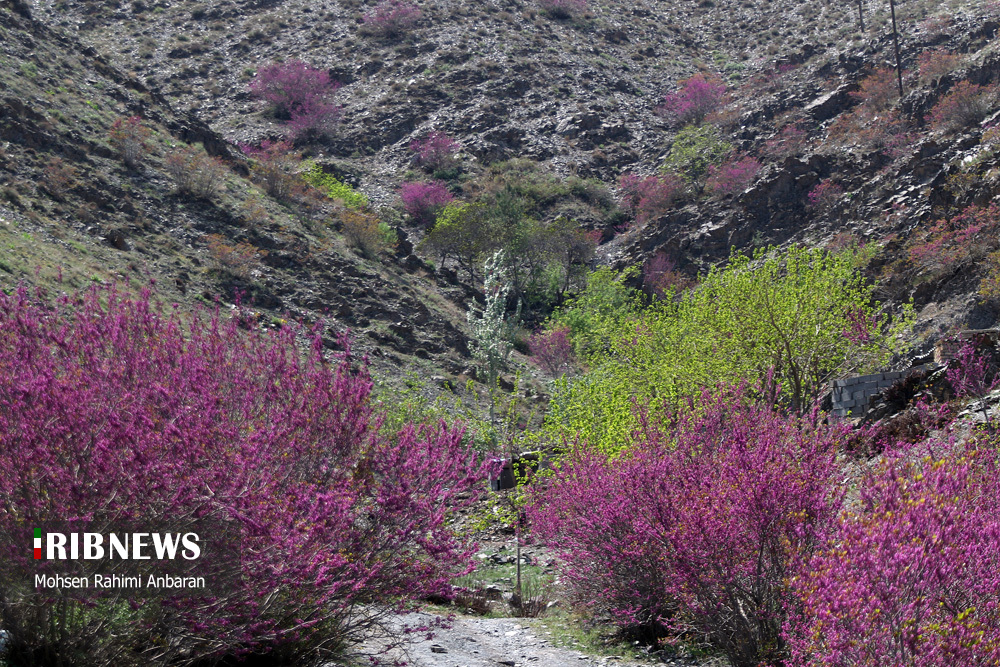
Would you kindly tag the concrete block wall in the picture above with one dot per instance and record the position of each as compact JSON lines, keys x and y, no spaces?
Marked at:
{"x":851,"y":395}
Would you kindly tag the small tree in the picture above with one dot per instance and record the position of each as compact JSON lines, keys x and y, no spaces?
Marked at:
{"x":299,"y":94}
{"x":129,"y":136}
{"x":392,"y":18}
{"x":696,"y":98}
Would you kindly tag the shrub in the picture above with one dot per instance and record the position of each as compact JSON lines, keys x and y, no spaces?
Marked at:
{"x":909,"y":575}
{"x":195,"y":172}
{"x":435,"y":152}
{"x":966,"y":104}
{"x":273,"y":167}
{"x":692,"y":530}
{"x":552,"y":350}
{"x":879,"y":91}
{"x":824,"y":195}
{"x":650,"y":197}
{"x":968,"y":236}
{"x":933,"y":64}
{"x":241,"y":260}
{"x":697,"y":97}
{"x":694,"y":150}
{"x":365,"y":232}
{"x":661,"y":277}
{"x":120,"y":411}
{"x":790,"y":141}
{"x":563,"y":9}
{"x":733,"y":176}
{"x":886,"y":131}
{"x":128,"y":136}
{"x":59,"y":178}
{"x":392,"y":18}
{"x":299,"y":94}
{"x":334,"y":189}
{"x":422,"y":201}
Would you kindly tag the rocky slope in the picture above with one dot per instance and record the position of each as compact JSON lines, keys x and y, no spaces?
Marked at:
{"x":577,"y":96}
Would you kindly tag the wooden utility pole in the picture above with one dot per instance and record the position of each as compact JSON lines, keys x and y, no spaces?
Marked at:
{"x":861,"y":14}
{"x":895,"y":39}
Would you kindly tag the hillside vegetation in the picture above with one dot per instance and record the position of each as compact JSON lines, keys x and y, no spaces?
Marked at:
{"x":323,"y":264}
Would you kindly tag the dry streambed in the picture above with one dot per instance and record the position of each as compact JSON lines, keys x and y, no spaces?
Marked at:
{"x":489,"y":642}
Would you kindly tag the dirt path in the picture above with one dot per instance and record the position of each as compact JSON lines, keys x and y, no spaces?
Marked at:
{"x":490,"y":642}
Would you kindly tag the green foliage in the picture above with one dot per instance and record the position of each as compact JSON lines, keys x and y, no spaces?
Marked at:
{"x":599,"y":310}
{"x":694,"y":150}
{"x":332,"y":188}
{"x":795,"y":313}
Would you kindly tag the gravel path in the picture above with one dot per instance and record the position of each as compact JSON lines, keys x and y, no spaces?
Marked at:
{"x":489,"y":642}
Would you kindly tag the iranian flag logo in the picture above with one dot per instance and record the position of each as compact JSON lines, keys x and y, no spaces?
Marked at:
{"x":38,"y":543}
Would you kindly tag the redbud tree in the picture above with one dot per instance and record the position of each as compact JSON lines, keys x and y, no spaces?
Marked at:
{"x":111,"y":408}
{"x":693,"y":529}
{"x":908,"y":576}
{"x":299,"y":94}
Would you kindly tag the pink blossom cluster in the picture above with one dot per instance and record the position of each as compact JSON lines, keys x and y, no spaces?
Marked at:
{"x":435,"y":151}
{"x":423,"y":200}
{"x":300,"y":94}
{"x":650,"y":197}
{"x":732,"y":176}
{"x":114,"y":409}
{"x":697,"y":97}
{"x":552,"y":350}
{"x":693,"y":529}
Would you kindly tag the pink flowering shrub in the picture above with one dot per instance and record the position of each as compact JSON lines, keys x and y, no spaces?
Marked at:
{"x":697,"y":97}
{"x":791,"y":140}
{"x":434,"y":152}
{"x":563,"y":9}
{"x":824,"y":195}
{"x":552,"y":350}
{"x":299,"y":94}
{"x":968,"y":236}
{"x":935,"y":63}
{"x":273,"y":167}
{"x":692,"y":530}
{"x":422,"y":201}
{"x":115,"y":410}
{"x":878,"y":91}
{"x":650,"y":197}
{"x":965,"y":104}
{"x":732,"y":176}
{"x":392,"y":18}
{"x":909,"y":576}
{"x":661,"y":277}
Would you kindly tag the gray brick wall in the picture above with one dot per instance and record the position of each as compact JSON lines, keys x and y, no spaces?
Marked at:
{"x":851,"y":395}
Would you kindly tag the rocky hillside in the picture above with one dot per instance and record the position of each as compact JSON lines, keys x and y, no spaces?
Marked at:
{"x":575,"y":94}
{"x":74,"y":210}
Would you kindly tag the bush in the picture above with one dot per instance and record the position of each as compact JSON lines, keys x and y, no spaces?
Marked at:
{"x":824,"y":195}
{"x":299,"y":94}
{"x":128,"y":136}
{"x":661,"y":277}
{"x":650,"y":197}
{"x":563,"y":9}
{"x":966,"y":104}
{"x":195,"y":172}
{"x":392,"y":18}
{"x":696,"y":98}
{"x":365,"y":232}
{"x":241,"y":260}
{"x":933,"y":64}
{"x":692,"y":530}
{"x":910,"y":575}
{"x":120,"y":411}
{"x":732,"y":176}
{"x":273,"y":167}
{"x":552,"y":350}
{"x":334,"y":189}
{"x":694,"y":150}
{"x":435,"y":152}
{"x":879,"y":91}
{"x":966,"y":237}
{"x":422,"y":201}
{"x":790,"y":141}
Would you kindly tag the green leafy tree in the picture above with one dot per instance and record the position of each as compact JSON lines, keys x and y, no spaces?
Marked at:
{"x":695,"y":149}
{"x":805,"y":316}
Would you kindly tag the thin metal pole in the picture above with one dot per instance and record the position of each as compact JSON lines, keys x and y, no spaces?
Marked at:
{"x":861,"y":14}
{"x":895,"y":39}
